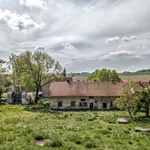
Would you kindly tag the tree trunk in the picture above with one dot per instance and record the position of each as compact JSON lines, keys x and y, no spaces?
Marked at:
{"x":36,"y":94}
{"x":147,"y":112}
{"x":130,"y":113}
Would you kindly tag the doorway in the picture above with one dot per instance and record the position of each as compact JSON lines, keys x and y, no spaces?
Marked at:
{"x":91,"y":106}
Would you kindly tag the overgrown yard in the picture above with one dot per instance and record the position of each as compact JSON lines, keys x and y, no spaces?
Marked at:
{"x":21,"y":126}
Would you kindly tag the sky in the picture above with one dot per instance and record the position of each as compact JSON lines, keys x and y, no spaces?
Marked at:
{"x":83,"y":35}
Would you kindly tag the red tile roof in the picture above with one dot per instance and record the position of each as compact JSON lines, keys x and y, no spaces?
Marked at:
{"x":70,"y":88}
{"x":86,"y":89}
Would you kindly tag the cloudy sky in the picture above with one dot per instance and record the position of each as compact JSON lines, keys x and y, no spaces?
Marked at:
{"x":83,"y":35}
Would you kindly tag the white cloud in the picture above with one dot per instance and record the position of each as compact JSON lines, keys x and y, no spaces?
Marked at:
{"x":42,"y":48}
{"x":69,"y":50}
{"x":68,"y":46}
{"x":34,"y":3}
{"x":117,"y":39}
{"x":120,"y":54}
{"x":113,"y":39}
{"x":19,"y":22}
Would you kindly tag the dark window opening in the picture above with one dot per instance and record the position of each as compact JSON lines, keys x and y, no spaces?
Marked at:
{"x":59,"y":104}
{"x":73,"y":104}
{"x":83,"y":104}
{"x":82,"y":100}
{"x":104,"y":105}
{"x":91,"y":97}
{"x":111,"y":104}
{"x":95,"y":101}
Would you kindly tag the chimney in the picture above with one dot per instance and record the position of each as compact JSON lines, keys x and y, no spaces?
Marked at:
{"x":113,"y":82}
{"x":141,"y":84}
{"x":68,"y":81}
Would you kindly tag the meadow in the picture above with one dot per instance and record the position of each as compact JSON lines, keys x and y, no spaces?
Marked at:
{"x":22,"y":125}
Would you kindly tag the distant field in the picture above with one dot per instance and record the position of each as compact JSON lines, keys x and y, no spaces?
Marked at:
{"x":79,"y":77}
{"x":132,"y":77}
{"x":135,"y":77}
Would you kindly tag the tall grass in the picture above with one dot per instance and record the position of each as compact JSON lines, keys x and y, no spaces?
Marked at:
{"x":21,"y":126}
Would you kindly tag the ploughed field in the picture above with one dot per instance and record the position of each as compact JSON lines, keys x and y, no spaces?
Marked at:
{"x":22,"y":126}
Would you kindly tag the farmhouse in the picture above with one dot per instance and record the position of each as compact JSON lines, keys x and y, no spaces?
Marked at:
{"x":86,"y":95}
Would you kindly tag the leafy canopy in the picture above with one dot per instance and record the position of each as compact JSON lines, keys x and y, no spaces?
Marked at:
{"x":144,"y":101}
{"x":129,"y":99}
{"x":30,"y":69}
{"x":104,"y":75}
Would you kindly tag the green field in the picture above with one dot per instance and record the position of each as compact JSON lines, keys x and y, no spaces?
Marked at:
{"x":21,"y":126}
{"x":130,"y":77}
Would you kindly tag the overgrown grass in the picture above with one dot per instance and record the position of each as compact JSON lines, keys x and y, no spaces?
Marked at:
{"x":21,"y":126}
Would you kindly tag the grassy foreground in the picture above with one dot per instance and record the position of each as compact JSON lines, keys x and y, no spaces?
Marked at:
{"x":21,"y":126}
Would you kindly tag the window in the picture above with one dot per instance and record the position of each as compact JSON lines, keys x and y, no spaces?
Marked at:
{"x":91,"y":97}
{"x":72,"y":103}
{"x":82,"y":100}
{"x":83,"y":104}
{"x":104,"y":105}
{"x":59,"y":104}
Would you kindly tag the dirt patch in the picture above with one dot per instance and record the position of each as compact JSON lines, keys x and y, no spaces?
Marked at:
{"x":122,"y":120}
{"x":42,"y":142}
{"x":140,"y":129}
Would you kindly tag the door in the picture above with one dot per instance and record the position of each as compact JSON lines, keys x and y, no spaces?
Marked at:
{"x":91,"y":106}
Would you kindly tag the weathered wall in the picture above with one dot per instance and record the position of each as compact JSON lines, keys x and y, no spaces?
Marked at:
{"x":45,"y":90}
{"x":97,"y":102}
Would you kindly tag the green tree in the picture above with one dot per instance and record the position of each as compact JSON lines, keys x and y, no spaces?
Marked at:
{"x":2,"y":76}
{"x":104,"y":75}
{"x":31,"y":68}
{"x":129,"y":99}
{"x":144,"y":101}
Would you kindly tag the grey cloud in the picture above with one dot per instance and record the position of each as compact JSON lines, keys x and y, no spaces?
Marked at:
{"x":126,"y":39}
